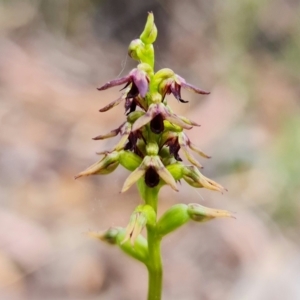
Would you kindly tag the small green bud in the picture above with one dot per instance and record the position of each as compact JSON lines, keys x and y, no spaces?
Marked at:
{"x":133,"y":116}
{"x":146,"y":68}
{"x":156,"y":97}
{"x":152,"y":149}
{"x":173,"y":218}
{"x":149,"y":34}
{"x":109,"y":236}
{"x":172,"y":127}
{"x":135,"y":48}
{"x":163,"y":74}
{"x":106,"y":165}
{"x":129,"y":160}
{"x":176,"y":169}
{"x":201,"y":213}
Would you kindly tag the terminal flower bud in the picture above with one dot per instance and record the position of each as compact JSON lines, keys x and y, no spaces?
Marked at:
{"x":106,"y":165}
{"x":194,"y":178}
{"x":201,"y":213}
{"x":149,"y":34}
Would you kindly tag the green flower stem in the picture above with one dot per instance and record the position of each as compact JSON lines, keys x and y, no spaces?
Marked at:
{"x":154,"y":262}
{"x":154,"y":265}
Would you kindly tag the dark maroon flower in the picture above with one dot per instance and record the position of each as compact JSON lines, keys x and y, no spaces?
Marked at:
{"x":156,"y":113}
{"x":174,"y":147}
{"x":138,"y":79}
{"x":151,"y":177}
{"x":174,"y":85}
{"x":157,"y":124}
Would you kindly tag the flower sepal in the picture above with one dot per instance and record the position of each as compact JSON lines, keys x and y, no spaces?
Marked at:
{"x":106,"y":165}
{"x":201,"y":213}
{"x":194,"y":178}
{"x":143,"y":215}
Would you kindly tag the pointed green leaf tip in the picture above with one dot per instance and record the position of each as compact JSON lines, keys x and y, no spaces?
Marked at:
{"x":149,"y":34}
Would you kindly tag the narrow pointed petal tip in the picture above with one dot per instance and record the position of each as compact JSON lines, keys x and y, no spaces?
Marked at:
{"x":112,"y":104}
{"x":194,"y":88}
{"x":163,"y":172}
{"x":141,"y":81}
{"x":194,"y":178}
{"x":102,"y":167}
{"x":112,"y":133}
{"x":114,"y":82}
{"x":146,"y":118}
{"x":133,"y":178}
{"x":201,"y":213}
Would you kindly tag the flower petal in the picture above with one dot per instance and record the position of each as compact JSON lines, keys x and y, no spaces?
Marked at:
{"x":146,"y":118}
{"x":112,"y":104}
{"x":141,"y":81}
{"x":104,"y":166}
{"x":110,"y":134}
{"x":191,"y":158}
{"x":173,"y":118}
{"x":114,"y":82}
{"x":194,"y":88}
{"x":133,"y":177}
{"x":197,"y":150}
{"x":201,"y":213}
{"x":194,"y":178}
{"x":164,"y":173}
{"x":181,"y":81}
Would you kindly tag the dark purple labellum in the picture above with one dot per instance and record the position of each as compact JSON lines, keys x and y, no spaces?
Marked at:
{"x":151,"y":178}
{"x":134,"y":91}
{"x":130,"y":106}
{"x":174,"y":148}
{"x":157,"y":124}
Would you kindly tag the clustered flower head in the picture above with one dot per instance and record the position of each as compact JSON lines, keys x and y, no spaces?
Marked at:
{"x":152,"y":140}
{"x":152,"y":137}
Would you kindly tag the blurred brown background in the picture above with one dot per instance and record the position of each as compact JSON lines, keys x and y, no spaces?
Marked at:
{"x":54,"y":53}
